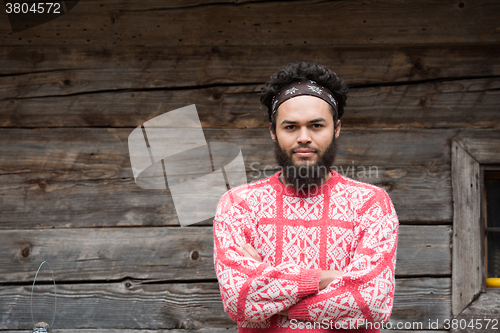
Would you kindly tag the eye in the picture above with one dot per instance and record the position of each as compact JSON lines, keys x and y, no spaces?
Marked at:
{"x":317,"y":125}
{"x":290,"y":127}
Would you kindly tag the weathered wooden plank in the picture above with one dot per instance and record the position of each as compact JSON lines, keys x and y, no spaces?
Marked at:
{"x":171,"y":254}
{"x":427,"y":105}
{"x":79,"y":150}
{"x":424,"y":294}
{"x":233,"y":329}
{"x":82,"y":177}
{"x":132,"y":305}
{"x":424,"y":250}
{"x":445,"y":104}
{"x":420,"y":194}
{"x":468,"y":260}
{"x":58,"y":71}
{"x":484,"y":148}
{"x":127,"y":304}
{"x":266,"y":23}
{"x":483,"y":311}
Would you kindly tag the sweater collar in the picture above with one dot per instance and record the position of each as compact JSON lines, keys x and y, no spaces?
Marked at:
{"x":304,"y":193}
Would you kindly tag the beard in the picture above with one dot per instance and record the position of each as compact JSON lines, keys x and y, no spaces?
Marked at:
{"x":310,"y":175}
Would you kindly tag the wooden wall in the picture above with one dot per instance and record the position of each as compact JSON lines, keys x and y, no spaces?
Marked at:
{"x":72,"y":90}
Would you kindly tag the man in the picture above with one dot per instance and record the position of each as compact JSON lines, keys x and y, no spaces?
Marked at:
{"x":306,"y":250}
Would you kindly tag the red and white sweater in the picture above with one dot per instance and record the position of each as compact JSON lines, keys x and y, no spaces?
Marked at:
{"x":346,"y":225}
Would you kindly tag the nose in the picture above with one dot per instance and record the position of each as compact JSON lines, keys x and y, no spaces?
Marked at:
{"x":304,"y":136}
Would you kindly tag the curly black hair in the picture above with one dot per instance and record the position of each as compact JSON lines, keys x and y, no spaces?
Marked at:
{"x":303,"y":70}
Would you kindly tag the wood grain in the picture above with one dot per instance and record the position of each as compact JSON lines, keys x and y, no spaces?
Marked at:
{"x":444,"y":104}
{"x":436,"y":292}
{"x":449,"y":104}
{"x":424,"y":250}
{"x":38,"y":71}
{"x":229,"y":329}
{"x":469,"y":154}
{"x":468,"y":260}
{"x":82,"y":177}
{"x":483,"y":148}
{"x":134,"y":305}
{"x":233,"y":329}
{"x":81,"y":151}
{"x":46,"y":202}
{"x":170,"y":254}
{"x":266,"y":23}
{"x":483,"y":310}
{"x":72,"y":90}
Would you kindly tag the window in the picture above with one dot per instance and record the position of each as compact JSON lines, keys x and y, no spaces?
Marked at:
{"x":492,"y":225}
{"x":472,"y":159}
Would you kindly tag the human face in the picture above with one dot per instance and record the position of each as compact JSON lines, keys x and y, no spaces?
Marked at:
{"x":305,"y":135}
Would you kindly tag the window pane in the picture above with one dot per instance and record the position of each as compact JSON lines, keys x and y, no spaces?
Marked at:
{"x":493,"y":240}
{"x":492,"y":186}
{"x":493,"y":202}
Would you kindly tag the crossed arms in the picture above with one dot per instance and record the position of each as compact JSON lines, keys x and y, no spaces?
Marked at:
{"x":325,"y":278}
{"x":254,"y":290}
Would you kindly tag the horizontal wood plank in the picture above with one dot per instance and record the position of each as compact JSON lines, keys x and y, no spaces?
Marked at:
{"x":82,"y":177}
{"x":420,"y":195}
{"x":170,"y":254}
{"x":229,"y":329}
{"x":132,"y":305}
{"x":437,"y":296}
{"x":446,"y":104}
{"x":81,"y":151}
{"x":424,"y":250}
{"x":233,"y":329}
{"x":37,"y":71}
{"x":265,"y":23}
{"x":426,"y":105}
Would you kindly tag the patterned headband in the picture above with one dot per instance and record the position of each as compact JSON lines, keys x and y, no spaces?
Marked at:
{"x":307,"y":87}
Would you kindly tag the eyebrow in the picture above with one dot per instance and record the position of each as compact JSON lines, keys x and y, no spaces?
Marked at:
{"x":317,"y":120}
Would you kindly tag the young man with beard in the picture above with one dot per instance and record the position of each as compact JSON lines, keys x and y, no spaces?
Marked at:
{"x":307,"y":249}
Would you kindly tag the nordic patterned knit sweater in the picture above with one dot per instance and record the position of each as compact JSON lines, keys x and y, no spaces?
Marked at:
{"x":344,"y":225}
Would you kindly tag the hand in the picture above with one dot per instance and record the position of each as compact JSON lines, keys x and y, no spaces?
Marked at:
{"x":327,"y":277}
{"x":248,"y":251}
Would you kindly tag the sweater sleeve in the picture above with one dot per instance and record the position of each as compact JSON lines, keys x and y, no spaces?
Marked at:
{"x":250,"y":290}
{"x":365,"y":291}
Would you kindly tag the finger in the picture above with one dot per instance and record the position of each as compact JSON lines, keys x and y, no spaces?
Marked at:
{"x":248,"y":248}
{"x":243,"y":252}
{"x":246,"y":254}
{"x":252,"y":252}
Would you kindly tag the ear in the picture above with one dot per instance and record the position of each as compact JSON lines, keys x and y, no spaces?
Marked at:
{"x":273,"y":136}
{"x":337,"y":129}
